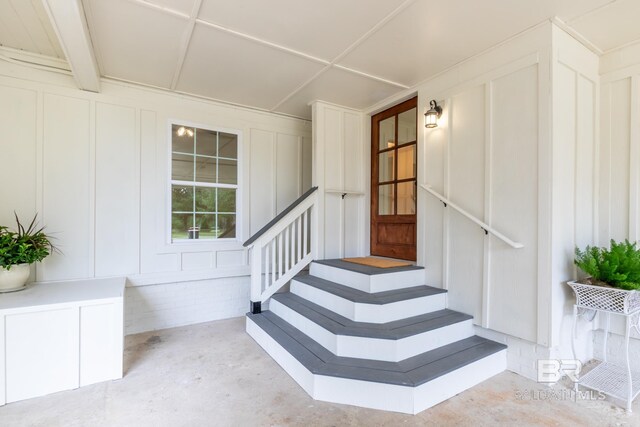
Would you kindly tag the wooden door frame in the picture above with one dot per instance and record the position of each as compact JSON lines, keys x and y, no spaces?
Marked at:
{"x":374,"y":171}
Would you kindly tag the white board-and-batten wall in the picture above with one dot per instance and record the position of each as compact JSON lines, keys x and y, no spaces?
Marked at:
{"x":95,"y":167}
{"x":619,"y":169}
{"x":516,"y":148}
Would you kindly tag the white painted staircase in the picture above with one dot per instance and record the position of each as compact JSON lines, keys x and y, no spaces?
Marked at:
{"x":372,"y":337}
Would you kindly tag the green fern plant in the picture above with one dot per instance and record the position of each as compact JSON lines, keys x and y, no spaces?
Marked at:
{"x":618,"y":266}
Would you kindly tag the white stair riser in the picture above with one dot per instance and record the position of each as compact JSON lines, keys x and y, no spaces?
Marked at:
{"x":367,"y":283}
{"x":388,"y":397}
{"x":290,"y":364}
{"x":374,"y":348}
{"x":371,"y":313}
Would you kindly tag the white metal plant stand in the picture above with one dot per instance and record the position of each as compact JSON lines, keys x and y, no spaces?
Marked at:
{"x":617,"y":381}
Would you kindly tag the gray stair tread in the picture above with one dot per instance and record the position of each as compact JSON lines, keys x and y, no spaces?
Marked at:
{"x":411,"y":372}
{"x":358,"y":296}
{"x":397,"y":329}
{"x":365,"y":269}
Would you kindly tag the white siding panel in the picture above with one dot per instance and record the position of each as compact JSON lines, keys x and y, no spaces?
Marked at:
{"x":287,"y":170}
{"x":117,"y":191}
{"x":620,"y":149}
{"x":307,"y":163}
{"x":353,"y":153}
{"x":514,"y":203}
{"x":466,"y":188}
{"x":18,"y":154}
{"x":262,"y":178}
{"x":66,"y":187}
{"x":585,"y":162}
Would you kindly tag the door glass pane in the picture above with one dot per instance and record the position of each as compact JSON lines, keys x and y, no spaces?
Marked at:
{"x":385,"y":166}
{"x":407,"y":162}
{"x":407,"y":126}
{"x":385,"y":199}
{"x":407,"y":198}
{"x":387,"y":133}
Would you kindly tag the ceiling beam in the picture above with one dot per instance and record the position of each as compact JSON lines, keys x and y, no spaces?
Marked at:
{"x":69,"y":22}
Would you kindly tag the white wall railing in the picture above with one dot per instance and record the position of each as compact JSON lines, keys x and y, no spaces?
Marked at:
{"x":486,"y":227}
{"x":282,"y":248}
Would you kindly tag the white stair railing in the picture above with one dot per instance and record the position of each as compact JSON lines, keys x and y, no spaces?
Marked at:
{"x":282,"y":248}
{"x":487,"y":228}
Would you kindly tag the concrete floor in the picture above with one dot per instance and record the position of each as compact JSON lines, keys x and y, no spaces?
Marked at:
{"x":213,"y":374}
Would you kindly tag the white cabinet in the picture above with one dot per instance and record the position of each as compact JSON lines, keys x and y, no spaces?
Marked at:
{"x":60,"y":336}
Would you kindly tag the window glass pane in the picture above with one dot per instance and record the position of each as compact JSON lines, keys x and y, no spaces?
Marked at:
{"x":228,"y":145}
{"x":181,"y":199}
{"x":206,"y":142}
{"x":180,"y":224}
{"x":205,"y":199}
{"x":226,"y":200}
{"x":387,"y":133}
{"x":204,"y":159}
{"x":182,"y":139}
{"x":385,"y":199}
{"x":181,"y":167}
{"x":205,"y":169}
{"x":407,"y":162}
{"x":206,"y":224}
{"x":407,"y":198}
{"x":385,"y":166}
{"x":407,"y":126}
{"x":227,"y":171}
{"x":226,"y":226}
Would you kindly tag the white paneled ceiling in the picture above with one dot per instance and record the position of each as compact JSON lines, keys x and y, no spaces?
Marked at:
{"x":258,"y":75}
{"x":611,"y":26}
{"x":24,"y":25}
{"x":279,"y":55}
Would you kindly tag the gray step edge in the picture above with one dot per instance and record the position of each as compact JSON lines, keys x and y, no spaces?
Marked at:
{"x":394,"y":330}
{"x":365,"y":269}
{"x":411,"y":372}
{"x":361,"y":297}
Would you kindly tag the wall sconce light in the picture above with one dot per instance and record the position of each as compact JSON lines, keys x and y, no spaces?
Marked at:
{"x":431,"y":116}
{"x":182,"y":131}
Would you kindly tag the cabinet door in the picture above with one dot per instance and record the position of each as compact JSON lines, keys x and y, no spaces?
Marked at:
{"x":101,"y":335}
{"x":42,"y":353}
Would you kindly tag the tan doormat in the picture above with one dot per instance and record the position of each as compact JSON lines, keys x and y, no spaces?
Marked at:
{"x":377,"y":262}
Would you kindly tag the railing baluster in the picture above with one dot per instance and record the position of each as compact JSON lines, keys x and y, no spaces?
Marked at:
{"x":292,"y":246}
{"x":299,"y":221}
{"x":305,"y":238}
{"x":286,"y":248}
{"x":273,"y":261}
{"x":280,"y":255}
{"x":267,"y":282}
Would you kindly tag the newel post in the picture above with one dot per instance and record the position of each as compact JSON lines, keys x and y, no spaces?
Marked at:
{"x":255,"y":306}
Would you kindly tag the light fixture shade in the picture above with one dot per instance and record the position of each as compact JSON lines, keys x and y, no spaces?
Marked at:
{"x":431,"y":116}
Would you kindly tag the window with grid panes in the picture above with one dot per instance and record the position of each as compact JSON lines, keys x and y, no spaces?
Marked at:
{"x":204,"y":183}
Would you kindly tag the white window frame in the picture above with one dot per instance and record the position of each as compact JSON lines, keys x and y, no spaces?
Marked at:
{"x":171,"y":182}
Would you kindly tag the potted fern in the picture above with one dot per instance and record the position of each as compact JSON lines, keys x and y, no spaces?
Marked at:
{"x":18,"y":250}
{"x":614,"y":277}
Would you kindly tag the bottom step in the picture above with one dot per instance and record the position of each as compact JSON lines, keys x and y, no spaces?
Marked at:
{"x":409,"y":386}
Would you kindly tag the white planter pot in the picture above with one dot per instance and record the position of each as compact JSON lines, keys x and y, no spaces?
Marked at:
{"x":15,"y":278}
